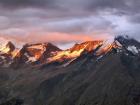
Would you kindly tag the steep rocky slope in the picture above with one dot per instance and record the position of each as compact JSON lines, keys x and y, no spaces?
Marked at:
{"x":108,"y":78}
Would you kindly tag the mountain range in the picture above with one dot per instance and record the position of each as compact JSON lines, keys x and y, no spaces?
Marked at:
{"x":90,"y":73}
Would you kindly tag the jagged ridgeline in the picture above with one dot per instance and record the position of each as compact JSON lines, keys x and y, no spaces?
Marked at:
{"x":90,"y":73}
{"x":47,"y":53}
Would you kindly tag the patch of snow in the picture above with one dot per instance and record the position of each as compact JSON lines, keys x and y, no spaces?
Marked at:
{"x":133,"y":49}
{"x":118,"y":43}
{"x":99,"y":57}
{"x":4,"y":49}
{"x":2,"y":57}
{"x":41,"y":47}
{"x":66,"y":64}
{"x":66,"y":54}
{"x":30,"y":59}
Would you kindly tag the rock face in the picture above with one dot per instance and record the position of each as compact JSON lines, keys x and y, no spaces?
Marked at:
{"x":29,"y":53}
{"x":6,"y":53}
{"x":11,"y":47}
{"x":88,"y":46}
{"x":108,"y":78}
{"x":8,"y":48}
{"x":40,"y":51}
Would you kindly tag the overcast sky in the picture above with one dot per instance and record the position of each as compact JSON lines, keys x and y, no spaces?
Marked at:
{"x":68,"y":21}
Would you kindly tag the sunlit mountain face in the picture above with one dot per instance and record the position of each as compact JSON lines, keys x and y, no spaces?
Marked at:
{"x":69,"y":52}
{"x":40,"y":54}
{"x":45,"y":53}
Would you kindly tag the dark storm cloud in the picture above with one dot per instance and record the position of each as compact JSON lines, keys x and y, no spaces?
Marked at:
{"x":82,"y":25}
{"x":134,"y":18}
{"x":86,"y":4}
{"x":67,"y":4}
{"x":77,"y":7}
{"x":106,"y":4}
{"x":119,"y":7}
{"x":27,"y":3}
{"x":16,"y":3}
{"x":70,"y":16}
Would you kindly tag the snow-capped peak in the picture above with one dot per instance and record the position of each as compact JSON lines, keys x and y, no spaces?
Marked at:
{"x":7,"y":47}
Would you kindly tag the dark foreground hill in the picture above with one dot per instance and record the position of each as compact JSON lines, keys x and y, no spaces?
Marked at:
{"x":109,"y":79}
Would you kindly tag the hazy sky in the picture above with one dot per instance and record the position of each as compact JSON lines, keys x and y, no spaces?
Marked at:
{"x":68,"y":21}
